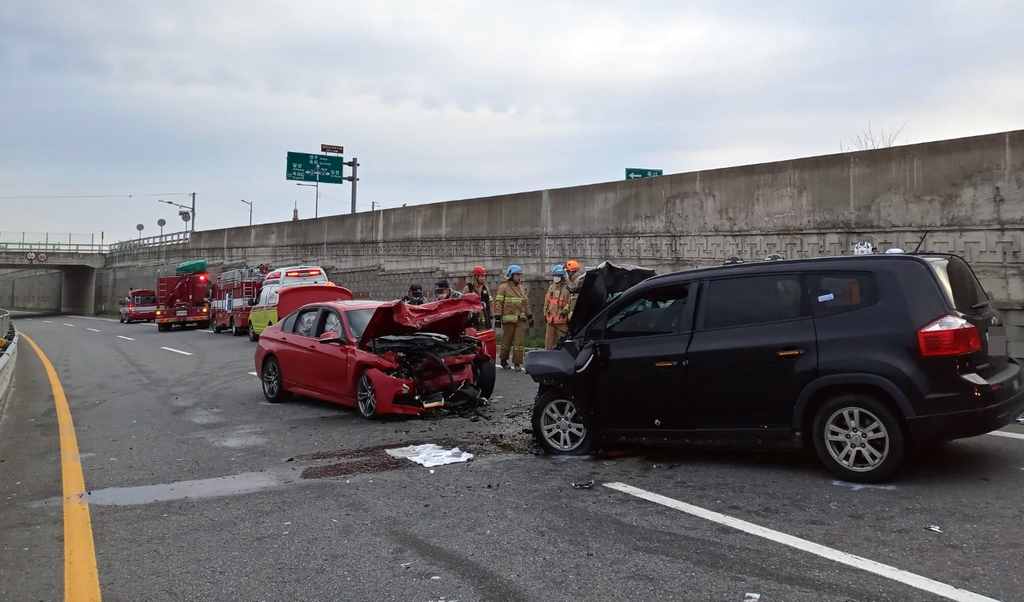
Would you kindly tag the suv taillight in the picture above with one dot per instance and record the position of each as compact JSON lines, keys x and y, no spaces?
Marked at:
{"x":949,"y":335}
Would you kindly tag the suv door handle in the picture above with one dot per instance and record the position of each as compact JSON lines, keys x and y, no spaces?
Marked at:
{"x":669,"y":364}
{"x":792,"y":352}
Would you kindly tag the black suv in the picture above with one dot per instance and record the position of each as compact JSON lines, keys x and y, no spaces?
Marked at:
{"x":860,"y":357}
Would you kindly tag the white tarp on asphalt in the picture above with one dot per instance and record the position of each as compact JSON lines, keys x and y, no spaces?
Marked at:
{"x":430,"y":454}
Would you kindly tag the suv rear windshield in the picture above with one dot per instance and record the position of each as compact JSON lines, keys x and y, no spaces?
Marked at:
{"x":959,"y":283}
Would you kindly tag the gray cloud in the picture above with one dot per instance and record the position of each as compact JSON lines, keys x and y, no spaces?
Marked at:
{"x":444,"y":100}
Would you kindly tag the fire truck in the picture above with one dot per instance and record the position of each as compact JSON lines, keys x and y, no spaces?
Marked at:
{"x":234,"y":293}
{"x":182,"y":298}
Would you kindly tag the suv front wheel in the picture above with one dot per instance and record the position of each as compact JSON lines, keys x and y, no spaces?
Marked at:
{"x":558,"y":425}
{"x":858,"y":439}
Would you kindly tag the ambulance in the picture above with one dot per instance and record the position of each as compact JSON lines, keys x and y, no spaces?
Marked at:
{"x":264,"y":310}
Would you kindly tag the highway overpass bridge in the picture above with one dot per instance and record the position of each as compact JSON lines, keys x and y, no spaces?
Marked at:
{"x":77,"y":265}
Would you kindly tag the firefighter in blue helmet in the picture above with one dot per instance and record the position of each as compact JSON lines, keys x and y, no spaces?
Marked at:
{"x":512,"y":311}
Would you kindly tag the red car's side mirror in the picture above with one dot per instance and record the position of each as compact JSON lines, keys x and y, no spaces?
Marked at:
{"x":331,"y":337}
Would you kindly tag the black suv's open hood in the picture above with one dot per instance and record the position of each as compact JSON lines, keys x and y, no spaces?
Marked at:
{"x":600,"y":286}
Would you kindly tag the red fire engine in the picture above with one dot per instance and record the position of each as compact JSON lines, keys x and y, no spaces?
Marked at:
{"x":234,"y":293}
{"x":182,"y":299}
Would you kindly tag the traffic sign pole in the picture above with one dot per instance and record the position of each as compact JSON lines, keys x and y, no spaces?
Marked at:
{"x":354,"y":164}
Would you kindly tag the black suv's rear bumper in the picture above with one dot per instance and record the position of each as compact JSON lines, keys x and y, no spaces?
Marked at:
{"x":925,"y":430}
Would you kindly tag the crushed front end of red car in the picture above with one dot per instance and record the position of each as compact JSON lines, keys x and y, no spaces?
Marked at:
{"x":425,"y":358}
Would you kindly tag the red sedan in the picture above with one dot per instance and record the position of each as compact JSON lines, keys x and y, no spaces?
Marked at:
{"x":379,"y":357}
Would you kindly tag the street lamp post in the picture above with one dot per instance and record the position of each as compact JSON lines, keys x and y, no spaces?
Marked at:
{"x":249,"y":203}
{"x":191,"y":210}
{"x":316,"y":207}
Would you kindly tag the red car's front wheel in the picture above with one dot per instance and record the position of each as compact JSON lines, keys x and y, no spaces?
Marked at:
{"x":366,"y":397}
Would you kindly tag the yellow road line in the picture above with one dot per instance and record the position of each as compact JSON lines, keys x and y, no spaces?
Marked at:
{"x":81,"y":578}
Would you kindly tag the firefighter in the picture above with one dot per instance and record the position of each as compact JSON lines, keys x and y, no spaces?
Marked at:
{"x":556,"y":307}
{"x":775,"y":257}
{"x":733,"y":260}
{"x":442,"y":291}
{"x":478,"y":284}
{"x":574,"y":279}
{"x":512,"y":310}
{"x":415,"y":296}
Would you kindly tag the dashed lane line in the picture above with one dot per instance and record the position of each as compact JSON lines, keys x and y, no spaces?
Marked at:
{"x":253,"y":374}
{"x":71,"y":325}
{"x":47,"y":321}
{"x":1007,"y":434}
{"x":92,"y":329}
{"x":913,"y":580}
{"x":176,"y":350}
{"x":125,"y":338}
{"x":81,"y":577}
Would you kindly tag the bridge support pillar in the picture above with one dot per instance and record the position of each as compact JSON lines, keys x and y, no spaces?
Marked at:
{"x":78,"y":290}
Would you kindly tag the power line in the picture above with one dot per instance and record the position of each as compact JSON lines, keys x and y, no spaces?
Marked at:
{"x":97,"y":196}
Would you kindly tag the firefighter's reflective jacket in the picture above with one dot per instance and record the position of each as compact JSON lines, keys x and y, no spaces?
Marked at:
{"x":511,"y":303}
{"x":556,"y":303}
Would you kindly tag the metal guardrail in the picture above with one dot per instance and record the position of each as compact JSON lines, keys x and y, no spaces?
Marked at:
{"x":51,"y":247}
{"x":175,"y":238}
{"x":5,"y":326}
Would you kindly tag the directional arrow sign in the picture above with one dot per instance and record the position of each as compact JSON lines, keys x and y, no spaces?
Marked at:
{"x":307,"y":167}
{"x":633,"y":173}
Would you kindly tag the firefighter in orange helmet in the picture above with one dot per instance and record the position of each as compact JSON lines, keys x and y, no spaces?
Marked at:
{"x":478,"y":284}
{"x":574,"y":279}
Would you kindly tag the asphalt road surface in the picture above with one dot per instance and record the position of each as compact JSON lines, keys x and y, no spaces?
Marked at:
{"x":198,"y":489}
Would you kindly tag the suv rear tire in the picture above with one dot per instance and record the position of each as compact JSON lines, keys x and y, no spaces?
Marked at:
{"x":558,"y":425}
{"x":858,"y":438}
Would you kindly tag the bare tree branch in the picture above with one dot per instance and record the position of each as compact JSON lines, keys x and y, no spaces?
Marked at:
{"x":870,"y":139}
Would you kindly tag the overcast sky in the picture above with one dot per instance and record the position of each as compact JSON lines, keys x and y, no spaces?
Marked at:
{"x":450,"y":100}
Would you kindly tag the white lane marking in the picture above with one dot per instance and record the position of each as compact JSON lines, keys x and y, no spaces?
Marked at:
{"x":71,"y":325}
{"x":1006,"y":434}
{"x":176,"y":350}
{"x":92,"y":329}
{"x":916,"y":581}
{"x":125,"y":338}
{"x":47,"y":322}
{"x":252,"y":373}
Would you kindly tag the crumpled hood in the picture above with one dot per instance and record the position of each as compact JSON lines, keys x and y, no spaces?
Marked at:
{"x":448,"y":317}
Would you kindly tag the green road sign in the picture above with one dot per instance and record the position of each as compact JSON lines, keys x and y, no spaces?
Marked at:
{"x":307,"y":167}
{"x":633,"y":173}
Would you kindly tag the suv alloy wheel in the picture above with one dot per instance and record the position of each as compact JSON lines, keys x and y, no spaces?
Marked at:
{"x":858,"y":438}
{"x":558,"y":425}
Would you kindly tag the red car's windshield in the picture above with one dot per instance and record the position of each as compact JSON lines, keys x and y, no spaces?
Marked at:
{"x":357,"y":320}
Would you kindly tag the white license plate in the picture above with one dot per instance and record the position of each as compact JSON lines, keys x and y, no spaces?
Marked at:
{"x":997,"y":340}
{"x":182,"y":312}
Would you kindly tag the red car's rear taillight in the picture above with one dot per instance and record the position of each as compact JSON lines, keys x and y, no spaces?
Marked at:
{"x":949,"y":335}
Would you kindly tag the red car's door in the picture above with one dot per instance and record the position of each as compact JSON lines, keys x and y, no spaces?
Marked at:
{"x":328,"y":371}
{"x":298,"y":348}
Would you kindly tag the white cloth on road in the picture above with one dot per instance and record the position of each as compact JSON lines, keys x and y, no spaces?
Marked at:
{"x":430,"y":454}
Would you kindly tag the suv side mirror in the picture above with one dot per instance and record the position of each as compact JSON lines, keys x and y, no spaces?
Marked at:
{"x":251,"y":302}
{"x":331,"y":337}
